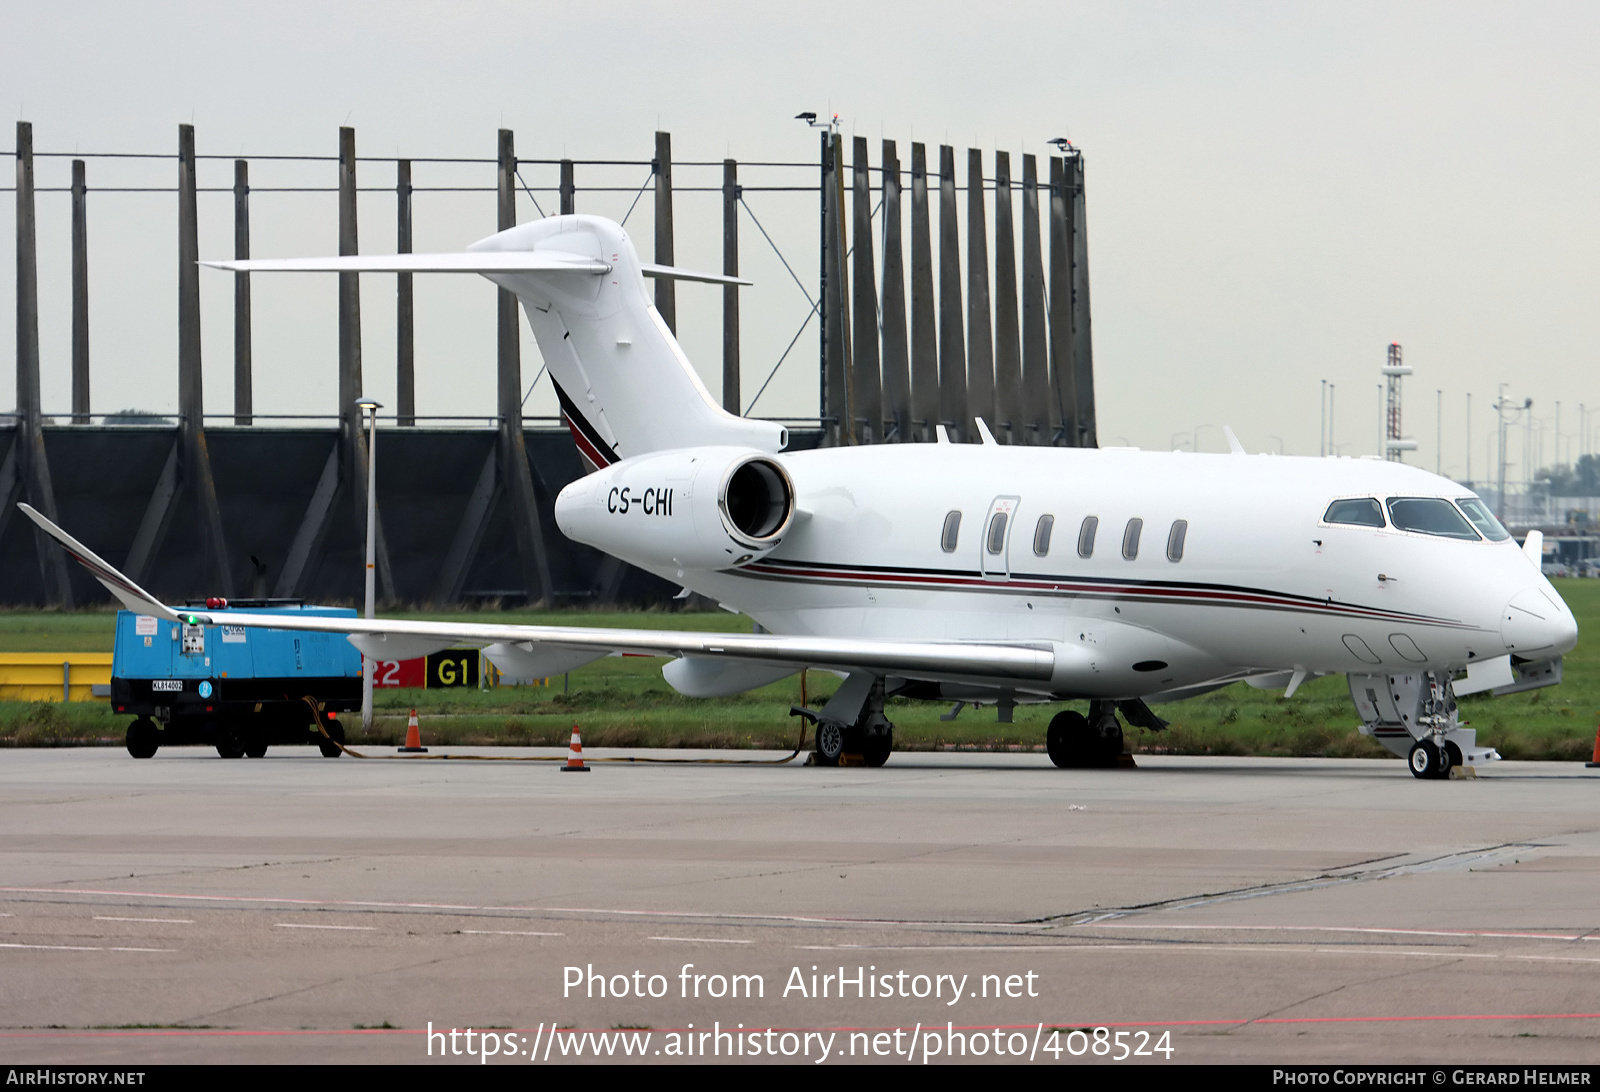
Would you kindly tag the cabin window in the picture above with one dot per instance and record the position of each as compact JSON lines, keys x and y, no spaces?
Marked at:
{"x":997,"y":532}
{"x":1429,"y":516}
{"x":1130,"y":538}
{"x":1363,"y":512}
{"x":1091,"y":524}
{"x":952,"y":532}
{"x":1041,"y":535}
{"x":1175,"y":537}
{"x":1483,"y":519}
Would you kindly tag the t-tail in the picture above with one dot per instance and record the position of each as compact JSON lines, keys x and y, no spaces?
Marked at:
{"x":624,"y":384}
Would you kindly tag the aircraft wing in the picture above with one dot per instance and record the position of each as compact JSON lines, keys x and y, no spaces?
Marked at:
{"x":402,"y":639}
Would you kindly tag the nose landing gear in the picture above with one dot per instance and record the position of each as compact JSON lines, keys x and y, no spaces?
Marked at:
{"x":1415,"y":716}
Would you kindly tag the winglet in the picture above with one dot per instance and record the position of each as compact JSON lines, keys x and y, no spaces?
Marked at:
{"x":130,"y":594}
{"x":1234,"y":446}
{"x":983,"y":430}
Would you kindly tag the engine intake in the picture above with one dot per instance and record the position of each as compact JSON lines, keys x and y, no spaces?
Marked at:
{"x":757,"y":501}
{"x":697,"y":508}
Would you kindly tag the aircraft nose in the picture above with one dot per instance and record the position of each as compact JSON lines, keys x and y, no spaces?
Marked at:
{"x":1537,"y":624}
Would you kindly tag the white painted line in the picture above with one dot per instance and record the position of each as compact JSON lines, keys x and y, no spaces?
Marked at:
{"x":81,"y":948}
{"x":296,"y":925}
{"x":702,"y":915}
{"x":508,"y":933}
{"x":156,"y":921}
{"x":1337,"y":929}
{"x":702,"y":940}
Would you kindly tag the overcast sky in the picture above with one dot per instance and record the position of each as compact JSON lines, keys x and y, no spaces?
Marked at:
{"x":1276,"y":191}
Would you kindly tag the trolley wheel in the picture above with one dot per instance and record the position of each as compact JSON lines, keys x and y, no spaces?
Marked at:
{"x":142,"y":739}
{"x":330,"y":746}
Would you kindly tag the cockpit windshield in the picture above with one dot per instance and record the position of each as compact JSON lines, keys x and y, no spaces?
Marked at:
{"x":1361,"y":511}
{"x":1483,"y":519}
{"x":1429,"y":516}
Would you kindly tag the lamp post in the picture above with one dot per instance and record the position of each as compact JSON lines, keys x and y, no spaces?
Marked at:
{"x":369,"y":407}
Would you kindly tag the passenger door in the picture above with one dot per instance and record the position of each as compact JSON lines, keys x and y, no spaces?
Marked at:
{"x":994,"y":545}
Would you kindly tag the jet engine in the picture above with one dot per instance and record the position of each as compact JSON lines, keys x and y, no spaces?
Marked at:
{"x":702,"y":508}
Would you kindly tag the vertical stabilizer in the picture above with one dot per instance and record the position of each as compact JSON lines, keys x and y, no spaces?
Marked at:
{"x":625,"y":386}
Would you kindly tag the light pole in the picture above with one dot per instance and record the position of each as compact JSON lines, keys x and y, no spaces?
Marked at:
{"x":1194,"y":437}
{"x":370,"y":407}
{"x":1500,"y":407}
{"x":1322,"y":422}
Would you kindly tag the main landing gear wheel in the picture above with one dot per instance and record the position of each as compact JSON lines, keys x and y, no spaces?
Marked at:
{"x":142,"y":740}
{"x":878,"y":746}
{"x":330,"y":746}
{"x":830,"y":742}
{"x":1073,"y":744}
{"x":1431,"y":763}
{"x":1067,"y":739}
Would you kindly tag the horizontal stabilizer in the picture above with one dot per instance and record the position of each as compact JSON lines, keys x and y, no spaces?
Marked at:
{"x":472,"y":261}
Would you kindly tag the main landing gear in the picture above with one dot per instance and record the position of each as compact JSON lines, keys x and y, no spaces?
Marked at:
{"x":1077,"y":742}
{"x":852,"y":727}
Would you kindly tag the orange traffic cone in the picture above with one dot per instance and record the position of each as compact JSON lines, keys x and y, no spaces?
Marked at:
{"x":575,"y":755}
{"x":413,"y":737}
{"x":1596,"y":760}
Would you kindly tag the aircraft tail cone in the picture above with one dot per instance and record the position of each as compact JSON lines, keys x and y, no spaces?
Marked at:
{"x":413,"y":737}
{"x":1595,"y":761}
{"x":575,"y":755}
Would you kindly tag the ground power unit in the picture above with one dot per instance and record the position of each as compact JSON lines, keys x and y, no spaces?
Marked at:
{"x":236,"y":689}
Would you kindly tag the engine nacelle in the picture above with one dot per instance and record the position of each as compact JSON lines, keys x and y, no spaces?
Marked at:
{"x":696,"y":508}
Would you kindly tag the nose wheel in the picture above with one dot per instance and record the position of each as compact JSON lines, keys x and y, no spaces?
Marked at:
{"x":1430,"y":762}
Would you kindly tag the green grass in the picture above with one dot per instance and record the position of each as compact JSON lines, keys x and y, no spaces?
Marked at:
{"x":624,"y":702}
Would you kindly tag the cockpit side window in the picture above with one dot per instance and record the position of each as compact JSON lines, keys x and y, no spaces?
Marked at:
{"x":1360,"y":511}
{"x":1483,"y":519}
{"x":1429,"y":516}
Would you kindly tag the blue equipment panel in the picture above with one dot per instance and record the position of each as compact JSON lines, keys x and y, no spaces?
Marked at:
{"x":152,"y":648}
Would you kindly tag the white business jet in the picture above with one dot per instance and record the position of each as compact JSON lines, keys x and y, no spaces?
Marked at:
{"x":980,"y":574}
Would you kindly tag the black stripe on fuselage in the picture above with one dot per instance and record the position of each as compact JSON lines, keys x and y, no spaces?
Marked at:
{"x":1079,"y":587}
